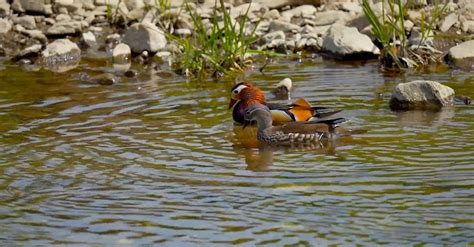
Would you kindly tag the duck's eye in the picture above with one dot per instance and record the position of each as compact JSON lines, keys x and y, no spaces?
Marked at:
{"x":235,"y":91}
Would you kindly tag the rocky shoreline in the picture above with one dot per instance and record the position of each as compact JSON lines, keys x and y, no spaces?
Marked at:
{"x":56,"y":34}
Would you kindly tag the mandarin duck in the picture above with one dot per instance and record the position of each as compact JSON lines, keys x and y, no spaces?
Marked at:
{"x":289,"y":133}
{"x":245,"y":94}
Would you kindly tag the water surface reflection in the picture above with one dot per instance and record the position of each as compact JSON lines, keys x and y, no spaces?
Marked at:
{"x":157,"y":160}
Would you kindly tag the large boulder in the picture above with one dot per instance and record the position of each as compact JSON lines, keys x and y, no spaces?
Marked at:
{"x":60,"y":55}
{"x":144,"y":37}
{"x":347,"y":42}
{"x":462,"y":55}
{"x":421,"y":94}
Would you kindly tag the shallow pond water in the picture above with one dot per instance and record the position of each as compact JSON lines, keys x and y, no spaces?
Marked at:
{"x":157,"y":160}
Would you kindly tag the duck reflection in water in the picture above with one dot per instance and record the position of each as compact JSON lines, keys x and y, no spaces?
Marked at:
{"x":259,"y":156}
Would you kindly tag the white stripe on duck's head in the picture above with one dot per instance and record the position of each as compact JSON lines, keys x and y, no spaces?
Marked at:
{"x":235,"y":93}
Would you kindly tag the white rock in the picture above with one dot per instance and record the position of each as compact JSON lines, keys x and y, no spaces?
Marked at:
{"x":421,"y":94}
{"x":122,"y":53}
{"x":144,"y":37}
{"x":344,"y":41}
{"x":89,"y":39}
{"x":464,"y":50}
{"x":5,"y":26}
{"x":448,"y":22}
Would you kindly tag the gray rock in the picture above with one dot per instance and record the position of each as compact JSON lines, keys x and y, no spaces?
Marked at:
{"x":26,"y":21}
{"x":347,"y":41}
{"x":5,"y":26}
{"x":122,"y":53}
{"x":4,"y":8}
{"x":448,"y":22}
{"x":421,"y":94}
{"x":463,"y":54}
{"x":273,"y":35}
{"x":302,"y":10}
{"x":144,"y":37}
{"x":89,"y":39}
{"x":330,"y":17}
{"x":65,"y":28}
{"x":279,"y":25}
{"x":61,"y":55}
{"x":31,"y":51}
{"x":35,"y":6}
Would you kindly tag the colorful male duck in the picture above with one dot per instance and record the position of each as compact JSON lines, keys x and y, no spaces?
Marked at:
{"x":288,"y":133}
{"x":245,"y":94}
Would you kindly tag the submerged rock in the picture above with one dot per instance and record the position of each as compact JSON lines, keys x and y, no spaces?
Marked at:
{"x":421,"y":94}
{"x":347,"y":41}
{"x":144,"y":37}
{"x":105,"y":79}
{"x":61,"y":55}
{"x":122,"y":53}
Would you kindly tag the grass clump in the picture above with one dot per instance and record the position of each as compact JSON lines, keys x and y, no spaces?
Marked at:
{"x":217,"y":48}
{"x":393,"y":39}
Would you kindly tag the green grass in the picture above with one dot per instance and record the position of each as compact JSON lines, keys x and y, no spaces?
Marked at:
{"x":217,"y":50}
{"x":389,"y":30}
